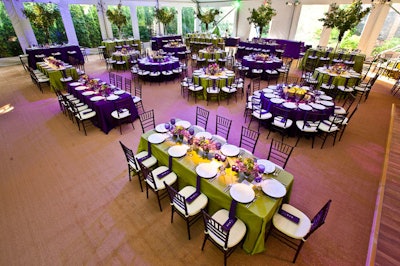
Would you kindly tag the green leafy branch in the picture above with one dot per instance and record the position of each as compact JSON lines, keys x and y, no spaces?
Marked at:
{"x":261,"y":16}
{"x":344,"y":19}
{"x":117,"y":17}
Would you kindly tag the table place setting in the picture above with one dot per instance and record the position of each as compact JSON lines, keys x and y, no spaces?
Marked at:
{"x":157,"y":138}
{"x":230,"y":150}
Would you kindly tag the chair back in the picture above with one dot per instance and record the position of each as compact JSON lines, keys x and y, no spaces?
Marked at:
{"x":223,"y":126}
{"x":256,"y":84}
{"x":147,"y":120}
{"x":147,"y":174}
{"x":319,"y":219}
{"x":349,"y":102}
{"x":130,"y":157}
{"x":202,"y":117}
{"x":118,"y":80}
{"x":138,"y":90}
{"x":211,"y":226}
{"x":128,"y":85}
{"x":175,"y":197}
{"x":279,"y":152}
{"x":352,"y":113}
{"x":248,"y":139}
{"x":281,"y":113}
{"x":111,"y":77}
{"x":123,"y":103}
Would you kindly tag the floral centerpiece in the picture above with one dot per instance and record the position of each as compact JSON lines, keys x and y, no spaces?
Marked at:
{"x":54,"y":62}
{"x":294,"y":91}
{"x":338,"y":68}
{"x":205,"y":145}
{"x":124,"y":51}
{"x":249,"y":167}
{"x":85,"y":78}
{"x":211,"y":49}
{"x":173,"y":44}
{"x":213,"y":69}
{"x":261,"y":57}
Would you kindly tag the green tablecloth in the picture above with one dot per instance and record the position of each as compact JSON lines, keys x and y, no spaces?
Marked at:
{"x":55,"y":75}
{"x":358,"y":59}
{"x":212,"y":55}
{"x":110,"y":45}
{"x":208,"y":82}
{"x":338,"y":80}
{"x":256,"y":217}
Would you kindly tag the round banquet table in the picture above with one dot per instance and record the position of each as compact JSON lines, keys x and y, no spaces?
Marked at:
{"x":296,"y":113}
{"x":272,"y":63}
{"x":224,"y":78}
{"x":178,"y":51}
{"x":216,"y":54}
{"x":148,"y":64}
{"x":325,"y":74}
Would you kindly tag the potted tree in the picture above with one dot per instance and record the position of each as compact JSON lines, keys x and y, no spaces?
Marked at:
{"x":208,"y":16}
{"x":43,"y":17}
{"x":344,"y":19}
{"x":164,"y":16}
{"x":261,"y":16}
{"x":118,"y":18}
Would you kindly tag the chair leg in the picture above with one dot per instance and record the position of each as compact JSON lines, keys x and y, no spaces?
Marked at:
{"x":188,"y":227}
{"x":204,"y":241}
{"x":159,"y":201}
{"x":298,"y":251}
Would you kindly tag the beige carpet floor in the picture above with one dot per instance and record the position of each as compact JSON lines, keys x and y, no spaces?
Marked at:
{"x":65,"y":198}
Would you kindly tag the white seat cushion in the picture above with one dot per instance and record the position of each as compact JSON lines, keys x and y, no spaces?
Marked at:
{"x":237,"y":231}
{"x":120,"y":114}
{"x":169,"y":179}
{"x":289,"y":228}
{"x":196,"y":205}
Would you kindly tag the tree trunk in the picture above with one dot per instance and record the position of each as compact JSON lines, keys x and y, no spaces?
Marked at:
{"x":261,"y":30}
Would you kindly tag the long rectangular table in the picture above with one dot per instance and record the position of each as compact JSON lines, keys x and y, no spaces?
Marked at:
{"x":256,"y":217}
{"x":55,"y":75}
{"x":66,"y":52}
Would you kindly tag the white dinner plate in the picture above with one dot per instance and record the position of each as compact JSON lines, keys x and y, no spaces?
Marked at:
{"x":305,"y":107}
{"x":206,"y":170}
{"x":183,"y":123}
{"x":87,"y":93}
{"x":242,"y":193}
{"x":229,"y":150}
{"x":96,"y":98}
{"x":270,"y":95}
{"x":178,"y":150}
{"x":327,"y":103}
{"x":269,"y":166}
{"x":161,"y":128}
{"x":119,"y":92}
{"x":277,"y":100}
{"x":112,"y":97}
{"x":325,"y":97}
{"x":317,"y":106}
{"x":267,"y":90}
{"x":273,"y":87}
{"x":204,"y":134}
{"x":156,"y":138}
{"x":74,"y":84}
{"x":81,"y":88}
{"x":273,"y":188}
{"x":289,"y":105}
{"x":228,"y":71}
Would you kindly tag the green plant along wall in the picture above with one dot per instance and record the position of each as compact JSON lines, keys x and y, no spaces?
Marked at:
{"x":86,"y":24}
{"x":9,"y":45}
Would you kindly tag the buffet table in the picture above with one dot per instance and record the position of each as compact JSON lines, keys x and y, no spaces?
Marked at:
{"x":256,"y":216}
{"x":103,"y":107}
{"x":65,"y":52}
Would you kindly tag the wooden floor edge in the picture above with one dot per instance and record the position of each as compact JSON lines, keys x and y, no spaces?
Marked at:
{"x":371,"y":256}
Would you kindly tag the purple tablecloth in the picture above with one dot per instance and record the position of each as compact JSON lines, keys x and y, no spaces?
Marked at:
{"x":232,"y":41}
{"x":246,"y":48}
{"x":293,"y":48}
{"x":65,"y":56}
{"x":296,"y":114}
{"x":103,"y":109}
{"x":253,"y":64}
{"x":145,"y":64}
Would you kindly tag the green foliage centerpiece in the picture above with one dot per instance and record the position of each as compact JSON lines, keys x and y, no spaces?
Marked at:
{"x":261,"y":16}
{"x":118,"y":18}
{"x":43,"y":17}
{"x":165,"y":16}
{"x":344,"y":19}
{"x":208,"y":16}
